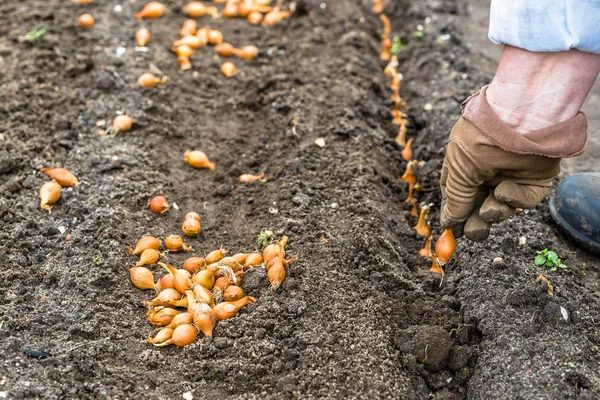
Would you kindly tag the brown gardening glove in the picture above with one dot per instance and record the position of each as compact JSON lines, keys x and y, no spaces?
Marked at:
{"x":490,"y":170}
{"x":483,"y":184}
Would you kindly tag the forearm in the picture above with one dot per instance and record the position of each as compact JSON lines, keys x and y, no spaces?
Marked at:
{"x":532,"y":91}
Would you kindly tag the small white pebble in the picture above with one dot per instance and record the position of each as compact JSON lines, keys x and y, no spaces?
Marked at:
{"x":419,"y":27}
{"x":62,"y":229}
{"x":323,"y":6}
{"x":522,"y":240}
{"x":400,"y":76}
{"x":498,"y":260}
{"x":141,"y":49}
{"x":114,"y":158}
{"x":428,"y":107}
{"x":273,"y":210}
{"x":120,"y":51}
{"x":335,"y":205}
{"x":175,"y":206}
{"x":445,"y":38}
{"x":118,"y":8}
{"x":465,"y":76}
{"x":101,"y":123}
{"x":564,"y":313}
{"x":188,"y":396}
{"x":320,"y":142}
{"x":427,"y":20}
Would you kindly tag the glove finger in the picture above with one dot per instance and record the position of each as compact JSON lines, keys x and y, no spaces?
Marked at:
{"x":476,"y":228}
{"x":520,"y":195}
{"x":457,"y":226}
{"x":461,"y":186}
{"x":494,"y":211}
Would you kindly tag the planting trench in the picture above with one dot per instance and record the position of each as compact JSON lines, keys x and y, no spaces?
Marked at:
{"x":359,"y":315}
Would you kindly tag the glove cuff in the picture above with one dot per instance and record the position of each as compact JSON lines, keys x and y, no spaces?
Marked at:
{"x":566,"y":139}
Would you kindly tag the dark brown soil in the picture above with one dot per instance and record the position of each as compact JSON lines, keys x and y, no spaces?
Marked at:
{"x":359,"y":316}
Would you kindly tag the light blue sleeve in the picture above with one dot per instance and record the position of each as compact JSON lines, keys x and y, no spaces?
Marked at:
{"x":546,"y":25}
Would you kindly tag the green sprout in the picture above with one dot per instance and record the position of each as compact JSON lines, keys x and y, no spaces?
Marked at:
{"x":397,"y":45}
{"x":265,"y":237}
{"x":35,"y":33}
{"x":418,"y":34}
{"x":549,"y":259}
{"x":97,"y":260}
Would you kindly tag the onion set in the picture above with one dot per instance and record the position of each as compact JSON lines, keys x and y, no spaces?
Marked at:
{"x":158,"y":204}
{"x":152,"y":10}
{"x":148,"y":80}
{"x":62,"y":176}
{"x":86,"y":21}
{"x":206,"y":290}
{"x":198,"y":159}
{"x":49,"y":194}
{"x":142,"y":37}
{"x":191,"y":225}
{"x":175,"y":244}
{"x":146,"y":242}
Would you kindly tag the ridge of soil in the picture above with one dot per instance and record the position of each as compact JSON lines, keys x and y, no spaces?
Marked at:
{"x":359,"y":316}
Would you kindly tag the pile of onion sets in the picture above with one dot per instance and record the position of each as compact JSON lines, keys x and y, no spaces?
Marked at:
{"x":190,"y":300}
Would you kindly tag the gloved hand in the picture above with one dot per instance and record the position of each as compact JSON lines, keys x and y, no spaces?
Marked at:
{"x":483,"y":184}
{"x":490,"y":170}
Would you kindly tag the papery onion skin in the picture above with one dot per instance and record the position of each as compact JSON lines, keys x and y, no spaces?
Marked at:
{"x":146,"y":242}
{"x":148,"y":256}
{"x":49,"y":194}
{"x":240,"y":257}
{"x":248,"y":52}
{"x":148,"y":80}
{"x":142,"y":37}
{"x":180,"y":319}
{"x":445,"y":246}
{"x":255,"y":18}
{"x":215,"y":255}
{"x":253,"y":259}
{"x":166,"y":282}
{"x":182,"y":336}
{"x":193,"y":264}
{"x":225,"y":49}
{"x":198,"y":159}
{"x":123,"y":123}
{"x":214,"y":37}
{"x":233,"y":293}
{"x":228,"y":69}
{"x":205,"y":278}
{"x":276,"y":273}
{"x":189,"y":27}
{"x":154,"y":9}
{"x":163,"y":297}
{"x":407,"y":153}
{"x":162,"y":336}
{"x":191,"y":227}
{"x":175,"y":243}
{"x":229,"y":309}
{"x":182,"y":279}
{"x":204,"y":295}
{"x":202,"y":315}
{"x":142,"y":278}
{"x":158,"y":204}
{"x":161,"y":316}
{"x":62,"y":176}
{"x":86,"y":21}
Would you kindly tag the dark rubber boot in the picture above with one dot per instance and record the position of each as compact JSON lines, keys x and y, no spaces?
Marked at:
{"x":576,"y":208}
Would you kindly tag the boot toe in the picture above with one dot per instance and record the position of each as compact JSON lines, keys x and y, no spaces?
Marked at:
{"x":576,"y":208}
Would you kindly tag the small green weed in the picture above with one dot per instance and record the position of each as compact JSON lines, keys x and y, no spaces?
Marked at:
{"x":549,"y":259}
